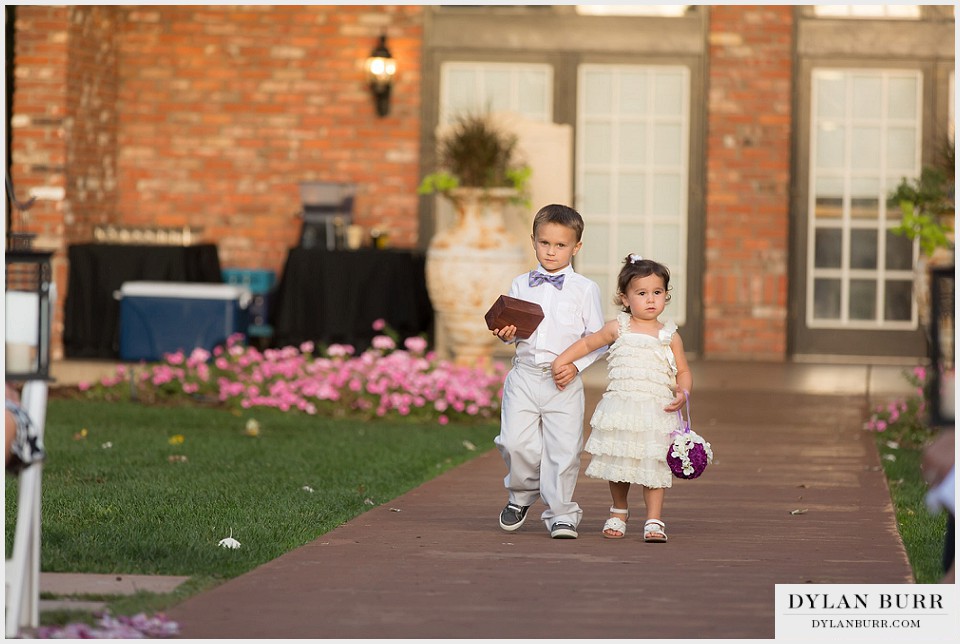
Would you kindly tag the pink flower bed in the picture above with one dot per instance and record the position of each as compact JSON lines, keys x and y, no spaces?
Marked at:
{"x":382,"y":381}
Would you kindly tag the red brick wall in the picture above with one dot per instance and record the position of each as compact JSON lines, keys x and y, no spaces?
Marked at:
{"x":209,"y":117}
{"x":748,"y":181}
{"x":224,"y":110}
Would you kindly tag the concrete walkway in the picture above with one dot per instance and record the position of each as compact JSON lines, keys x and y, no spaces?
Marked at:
{"x":795,"y":495}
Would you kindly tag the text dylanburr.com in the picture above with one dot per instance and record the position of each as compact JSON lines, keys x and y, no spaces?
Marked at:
{"x":866,"y":612}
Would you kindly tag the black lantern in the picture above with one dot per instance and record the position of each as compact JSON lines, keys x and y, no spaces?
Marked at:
{"x":28,"y":315}
{"x":381,"y":68}
{"x":942,"y":392}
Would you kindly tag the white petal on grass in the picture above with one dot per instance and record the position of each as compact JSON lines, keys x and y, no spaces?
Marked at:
{"x":229,"y":542}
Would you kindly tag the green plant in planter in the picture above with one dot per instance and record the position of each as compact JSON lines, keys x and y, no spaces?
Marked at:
{"x":476,"y":154}
{"x":927,"y":204}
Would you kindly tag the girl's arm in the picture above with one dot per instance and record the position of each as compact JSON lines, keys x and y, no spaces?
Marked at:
{"x":684,"y":376}
{"x":563,"y":368}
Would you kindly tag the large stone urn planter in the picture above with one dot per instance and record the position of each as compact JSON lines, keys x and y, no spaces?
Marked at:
{"x":468,"y":266}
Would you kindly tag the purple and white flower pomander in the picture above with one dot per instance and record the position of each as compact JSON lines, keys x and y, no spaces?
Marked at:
{"x":689,"y":454}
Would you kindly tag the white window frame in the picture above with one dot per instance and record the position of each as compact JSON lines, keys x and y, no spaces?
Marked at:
{"x":886,"y":219}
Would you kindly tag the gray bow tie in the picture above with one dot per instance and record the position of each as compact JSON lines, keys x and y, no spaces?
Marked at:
{"x":537,"y":278}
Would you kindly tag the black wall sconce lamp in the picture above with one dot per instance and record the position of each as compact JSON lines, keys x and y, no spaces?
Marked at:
{"x":381,"y":68}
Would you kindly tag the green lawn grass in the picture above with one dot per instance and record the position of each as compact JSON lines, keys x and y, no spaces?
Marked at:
{"x":922,"y":532}
{"x":120,"y":498}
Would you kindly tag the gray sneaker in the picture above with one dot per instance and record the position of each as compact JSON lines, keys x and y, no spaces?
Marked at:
{"x":563,"y":530}
{"x":513,"y":516}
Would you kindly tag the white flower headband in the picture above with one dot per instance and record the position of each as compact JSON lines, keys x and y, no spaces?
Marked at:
{"x":634,"y":258}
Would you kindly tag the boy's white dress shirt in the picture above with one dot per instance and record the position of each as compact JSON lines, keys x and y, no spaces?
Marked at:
{"x":570,"y":313}
{"x":541,"y":427}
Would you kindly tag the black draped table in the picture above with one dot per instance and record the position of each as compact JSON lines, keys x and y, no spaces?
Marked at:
{"x":92,"y":314}
{"x":333,"y":297}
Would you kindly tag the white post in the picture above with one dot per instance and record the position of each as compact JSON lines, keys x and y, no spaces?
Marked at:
{"x":23,"y":569}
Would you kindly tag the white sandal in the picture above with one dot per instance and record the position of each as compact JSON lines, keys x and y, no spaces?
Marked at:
{"x":616,"y":524}
{"x":653,"y":531}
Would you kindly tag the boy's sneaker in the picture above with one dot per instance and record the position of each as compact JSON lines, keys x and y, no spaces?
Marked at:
{"x":563,"y":530}
{"x":513,"y":516}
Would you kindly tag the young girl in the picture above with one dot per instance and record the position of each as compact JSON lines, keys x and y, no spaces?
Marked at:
{"x":649,"y":381}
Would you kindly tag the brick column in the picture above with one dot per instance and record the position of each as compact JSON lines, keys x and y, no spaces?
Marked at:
{"x":748,"y":181}
{"x":39,"y":135}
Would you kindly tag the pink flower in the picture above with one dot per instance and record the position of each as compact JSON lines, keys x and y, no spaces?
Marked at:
{"x":198,"y":356}
{"x":379,"y":324}
{"x":443,"y":420}
{"x":383,"y":343}
{"x":337,"y":351}
{"x":307,"y":347}
{"x":83,"y":385}
{"x":415,"y":344}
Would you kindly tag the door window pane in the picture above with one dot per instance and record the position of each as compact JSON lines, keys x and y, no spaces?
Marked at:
{"x":668,"y":244}
{"x":830,"y":144}
{"x":830,"y":93}
{"x":633,"y":92}
{"x":863,"y":249}
{"x":828,"y":248}
{"x":863,"y":299}
{"x":902,"y":145}
{"x":597,"y":236}
{"x":826,"y":299}
{"x":598,"y":143}
{"x":666,"y":194}
{"x":666,"y":143}
{"x":902,"y":99}
{"x":596,"y":193}
{"x":598,"y":93}
{"x":633,"y":146}
{"x":670,"y":91}
{"x":865,"y":148}
{"x":898,"y":300}
{"x":866,"y":98}
{"x":631,"y":193}
{"x":899,"y":254}
{"x":630,"y":237}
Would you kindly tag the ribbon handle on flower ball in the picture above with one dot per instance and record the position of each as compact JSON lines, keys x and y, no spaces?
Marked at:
{"x":684,"y":425}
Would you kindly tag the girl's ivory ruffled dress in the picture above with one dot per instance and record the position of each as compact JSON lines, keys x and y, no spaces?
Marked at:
{"x":630,"y":431}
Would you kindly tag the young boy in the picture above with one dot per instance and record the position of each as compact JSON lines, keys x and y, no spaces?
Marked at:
{"x":541,"y":425}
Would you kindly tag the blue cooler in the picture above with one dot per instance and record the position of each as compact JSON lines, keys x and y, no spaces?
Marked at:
{"x":165,"y":317}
